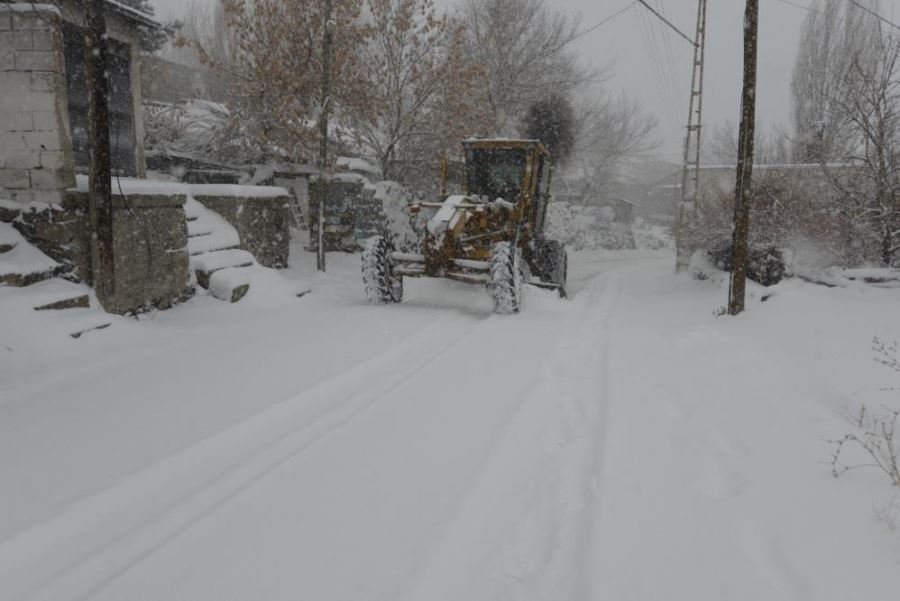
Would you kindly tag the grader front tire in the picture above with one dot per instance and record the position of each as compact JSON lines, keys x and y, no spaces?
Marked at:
{"x":380,"y":283}
{"x":506,"y":278}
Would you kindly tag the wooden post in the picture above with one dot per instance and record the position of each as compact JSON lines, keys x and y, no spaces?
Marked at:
{"x":328,"y":27}
{"x":743,"y":187}
{"x":96,"y":52}
{"x":445,"y":172}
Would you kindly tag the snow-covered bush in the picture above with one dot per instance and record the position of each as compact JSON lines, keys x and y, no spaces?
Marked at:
{"x":191,"y":126}
{"x":587,"y":228}
{"x":702,"y":268}
{"x":652,"y":237}
{"x":405,"y":230}
{"x":198,"y":128}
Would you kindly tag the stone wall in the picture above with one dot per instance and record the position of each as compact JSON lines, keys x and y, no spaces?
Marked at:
{"x":149,"y":246}
{"x":35,"y":152}
{"x":262,"y":223}
{"x":352,"y":215}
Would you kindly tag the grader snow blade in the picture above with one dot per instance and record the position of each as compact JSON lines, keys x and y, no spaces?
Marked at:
{"x":493,"y":235}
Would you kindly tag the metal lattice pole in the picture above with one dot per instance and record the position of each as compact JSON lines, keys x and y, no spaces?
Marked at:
{"x":686,"y":225}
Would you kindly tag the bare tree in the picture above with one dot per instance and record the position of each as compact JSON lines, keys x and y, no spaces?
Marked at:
{"x":609,"y":131}
{"x":772,"y":147}
{"x":411,"y":59}
{"x":834,"y":33}
{"x":525,"y":47}
{"x":204,"y":25}
{"x":870,"y":103}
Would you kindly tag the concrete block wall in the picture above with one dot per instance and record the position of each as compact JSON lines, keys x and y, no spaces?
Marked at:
{"x":35,"y":153}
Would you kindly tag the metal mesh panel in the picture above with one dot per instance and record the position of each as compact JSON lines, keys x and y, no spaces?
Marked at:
{"x":120,"y":102}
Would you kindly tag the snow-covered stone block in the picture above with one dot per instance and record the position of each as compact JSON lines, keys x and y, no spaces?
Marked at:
{"x":208,"y":263}
{"x":23,"y":264}
{"x":230,"y":284}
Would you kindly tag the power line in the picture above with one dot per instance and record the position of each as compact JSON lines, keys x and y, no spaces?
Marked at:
{"x":853,"y":2}
{"x":670,"y":55}
{"x":800,"y":6}
{"x":605,"y":21}
{"x":667,"y":22}
{"x":873,"y":13}
{"x":656,"y":68}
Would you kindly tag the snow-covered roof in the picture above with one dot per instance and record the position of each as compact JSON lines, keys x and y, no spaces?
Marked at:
{"x":128,"y":12}
{"x":134,"y":14}
{"x":358,"y":164}
{"x":23,"y":7}
{"x":523,"y":140}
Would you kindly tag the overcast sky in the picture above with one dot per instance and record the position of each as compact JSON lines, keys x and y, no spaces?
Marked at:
{"x":653,"y":64}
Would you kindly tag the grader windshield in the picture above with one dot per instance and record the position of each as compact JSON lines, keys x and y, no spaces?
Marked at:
{"x":495,"y":172}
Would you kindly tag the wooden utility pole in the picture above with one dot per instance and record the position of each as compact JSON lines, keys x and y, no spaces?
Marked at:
{"x":96,"y":52}
{"x":328,"y":27}
{"x":742,"y":190}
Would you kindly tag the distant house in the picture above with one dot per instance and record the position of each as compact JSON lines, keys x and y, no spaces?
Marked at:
{"x":43,"y":97}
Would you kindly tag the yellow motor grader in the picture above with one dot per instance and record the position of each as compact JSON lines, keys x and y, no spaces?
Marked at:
{"x":490,"y":236}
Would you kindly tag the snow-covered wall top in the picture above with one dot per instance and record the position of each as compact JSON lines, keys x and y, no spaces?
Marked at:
{"x":128,"y":186}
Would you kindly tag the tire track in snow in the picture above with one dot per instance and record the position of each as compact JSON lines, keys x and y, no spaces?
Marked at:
{"x":524,"y":529}
{"x":102,"y":536}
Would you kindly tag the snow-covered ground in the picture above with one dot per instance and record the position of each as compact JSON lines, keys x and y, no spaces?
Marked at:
{"x":623,"y":444}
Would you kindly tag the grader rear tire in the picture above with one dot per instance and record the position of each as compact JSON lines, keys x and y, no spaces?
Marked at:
{"x":379,"y":281}
{"x":506,"y":278}
{"x":553,"y":263}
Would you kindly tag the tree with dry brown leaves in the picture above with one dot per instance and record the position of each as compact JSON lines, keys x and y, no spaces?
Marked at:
{"x":277,"y":68}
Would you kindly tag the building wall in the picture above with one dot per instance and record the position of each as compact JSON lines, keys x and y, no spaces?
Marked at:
{"x":35,"y":150}
{"x":125,"y":31}
{"x":36,"y":161}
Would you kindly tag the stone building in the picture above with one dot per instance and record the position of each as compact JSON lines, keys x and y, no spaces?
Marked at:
{"x":43,"y":98}
{"x":157,"y":245}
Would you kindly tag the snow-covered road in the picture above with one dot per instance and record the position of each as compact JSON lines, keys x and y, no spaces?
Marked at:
{"x":624,"y":444}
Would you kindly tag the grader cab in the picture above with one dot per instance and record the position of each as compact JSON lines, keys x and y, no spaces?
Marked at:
{"x":493,"y":235}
